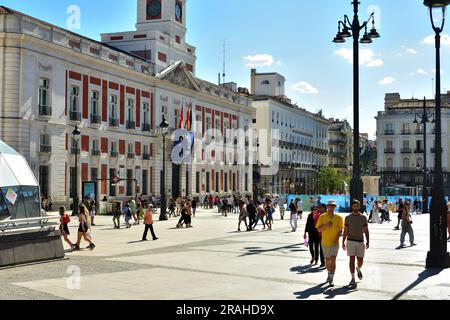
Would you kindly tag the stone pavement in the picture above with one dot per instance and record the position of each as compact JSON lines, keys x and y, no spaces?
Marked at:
{"x":213,"y":261}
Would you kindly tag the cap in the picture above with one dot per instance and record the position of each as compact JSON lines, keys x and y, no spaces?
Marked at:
{"x":332,"y":203}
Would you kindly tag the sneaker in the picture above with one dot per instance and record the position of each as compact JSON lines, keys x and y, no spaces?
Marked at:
{"x":155,"y":239}
{"x":144,"y":240}
{"x":92,"y":246}
{"x":402,"y":246}
{"x":352,"y":283}
{"x":413,"y":244}
{"x":76,"y":248}
{"x":396,"y":228}
{"x":360,"y":275}
{"x":322,"y":265}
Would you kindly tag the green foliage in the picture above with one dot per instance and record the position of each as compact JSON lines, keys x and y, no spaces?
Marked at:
{"x":330,"y":181}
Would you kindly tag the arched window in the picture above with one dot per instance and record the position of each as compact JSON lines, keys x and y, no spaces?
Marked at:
{"x":389,"y":163}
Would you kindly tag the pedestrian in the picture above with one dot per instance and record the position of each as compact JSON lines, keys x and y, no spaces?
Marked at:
{"x":294,"y":218}
{"x":356,"y":227}
{"x":128,"y":215}
{"x":148,"y":221}
{"x":331,"y":226}
{"x":376,"y":212}
{"x":406,"y":225}
{"x":242,"y":216}
{"x":188,"y":214}
{"x":322,"y":209}
{"x":116,"y":215}
{"x":281,"y":203}
{"x":269,"y":211}
{"x":194,"y":206}
{"x":64,"y":226}
{"x":400,"y":215}
{"x":92,"y":212}
{"x":183,"y":219}
{"x":312,"y":235}
{"x":251,"y":211}
{"x":84,"y":229}
{"x":300,"y":209}
{"x":260,"y":214}
{"x":132,"y":207}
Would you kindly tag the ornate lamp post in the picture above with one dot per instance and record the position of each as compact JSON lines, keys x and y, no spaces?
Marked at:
{"x":354,"y":28}
{"x":76,"y":137}
{"x":164,"y":127}
{"x":438,"y":256}
{"x":425,"y":118}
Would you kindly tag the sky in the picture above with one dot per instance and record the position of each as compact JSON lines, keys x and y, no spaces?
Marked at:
{"x":293,"y":38}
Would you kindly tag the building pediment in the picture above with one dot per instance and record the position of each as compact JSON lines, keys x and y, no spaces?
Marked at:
{"x":178,"y":74}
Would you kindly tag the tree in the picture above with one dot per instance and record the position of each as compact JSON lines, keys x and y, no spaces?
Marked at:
{"x":330,"y":181}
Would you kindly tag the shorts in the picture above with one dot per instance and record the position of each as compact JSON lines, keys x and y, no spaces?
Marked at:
{"x":269,"y":218}
{"x":356,"y":249}
{"x":83,"y":227}
{"x":329,"y":252}
{"x":242,"y":217}
{"x":64,"y":228}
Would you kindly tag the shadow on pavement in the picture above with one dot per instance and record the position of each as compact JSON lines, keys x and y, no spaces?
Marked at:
{"x":137,"y":241}
{"x":306,"y":269}
{"x":253,"y":251}
{"x":332,"y":292}
{"x":421,"y":277}
{"x":314,"y":291}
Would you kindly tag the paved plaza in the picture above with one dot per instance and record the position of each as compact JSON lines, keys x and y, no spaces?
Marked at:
{"x":213,"y":261}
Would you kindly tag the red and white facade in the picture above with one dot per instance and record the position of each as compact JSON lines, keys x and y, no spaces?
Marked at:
{"x":53,"y":79}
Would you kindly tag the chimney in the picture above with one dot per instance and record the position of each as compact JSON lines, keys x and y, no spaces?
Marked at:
{"x":253,"y":81}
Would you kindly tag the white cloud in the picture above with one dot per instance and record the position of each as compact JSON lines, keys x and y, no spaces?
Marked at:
{"x":260,"y":60}
{"x":305,"y":87}
{"x":387,"y":80}
{"x":445,"y":40}
{"x":412,"y":51}
{"x":421,"y":71}
{"x":366,"y":57}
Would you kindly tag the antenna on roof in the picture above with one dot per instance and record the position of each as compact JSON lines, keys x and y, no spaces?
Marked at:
{"x":224,"y":51}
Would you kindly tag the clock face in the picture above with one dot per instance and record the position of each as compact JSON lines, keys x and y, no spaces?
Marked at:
{"x":154,"y":9}
{"x":178,"y":12}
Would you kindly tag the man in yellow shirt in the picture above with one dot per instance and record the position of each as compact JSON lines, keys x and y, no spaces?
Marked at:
{"x":331,"y":225}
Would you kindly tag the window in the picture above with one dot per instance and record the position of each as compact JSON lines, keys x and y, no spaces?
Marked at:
{"x":273,"y":116}
{"x":112,"y":186}
{"x":113,"y":146}
{"x":197,"y":182}
{"x":45,"y":140}
{"x":265,"y":82}
{"x":405,"y":128}
{"x":94,"y":174}
{"x":164,"y":110}
{"x":389,"y":145}
{"x":95,"y":103}
{"x":113,"y":106}
{"x":44,"y":92}
{"x":131,"y":148}
{"x":405,"y":162}
{"x":146,"y":110}
{"x":74,"y":98}
{"x":130,"y":110}
{"x":95,"y":145}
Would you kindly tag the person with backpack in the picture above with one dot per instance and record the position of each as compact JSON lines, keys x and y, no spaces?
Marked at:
{"x":64,"y":226}
{"x":148,"y":221}
{"x":294,"y":217}
{"x":128,"y":215}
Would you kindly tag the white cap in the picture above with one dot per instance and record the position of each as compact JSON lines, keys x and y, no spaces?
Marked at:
{"x":332,"y":203}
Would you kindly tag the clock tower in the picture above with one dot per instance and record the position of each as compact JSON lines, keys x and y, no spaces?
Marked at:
{"x":160,"y":35}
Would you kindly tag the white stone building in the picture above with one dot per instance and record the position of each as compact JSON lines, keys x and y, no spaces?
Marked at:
{"x":53,"y":79}
{"x":303,"y":144}
{"x":400,"y":144}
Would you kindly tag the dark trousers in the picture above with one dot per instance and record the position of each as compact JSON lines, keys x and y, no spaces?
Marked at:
{"x":183,"y":219}
{"x":258,"y":218}
{"x":316,"y":250}
{"x":188,"y":219}
{"x":251,"y":222}
{"x":147,"y":227}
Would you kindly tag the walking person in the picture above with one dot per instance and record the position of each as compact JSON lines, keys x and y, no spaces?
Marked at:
{"x":128,"y":215}
{"x":242,"y":216}
{"x":269,"y":211}
{"x":406,"y":225}
{"x":116,"y":215}
{"x":132,"y":207}
{"x":64,"y":226}
{"x":183,"y":219}
{"x":260,"y":213}
{"x":92,"y":212}
{"x":331,"y":225}
{"x":281,"y":203}
{"x":322,"y":209}
{"x":188,"y":214}
{"x":194,"y":206}
{"x":83,"y":229}
{"x":294,"y":216}
{"x":251,"y":211}
{"x":300,"y":209}
{"x":400,"y":215}
{"x":312,"y":235}
{"x":356,"y":227}
{"x":148,"y":221}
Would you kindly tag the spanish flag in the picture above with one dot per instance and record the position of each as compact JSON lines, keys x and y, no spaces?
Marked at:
{"x":180,"y":126}
{"x":189,"y":119}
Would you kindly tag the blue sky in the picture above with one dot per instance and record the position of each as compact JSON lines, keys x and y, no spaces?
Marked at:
{"x":291,"y":37}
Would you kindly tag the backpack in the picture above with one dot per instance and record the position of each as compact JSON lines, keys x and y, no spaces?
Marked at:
{"x":128,"y":212}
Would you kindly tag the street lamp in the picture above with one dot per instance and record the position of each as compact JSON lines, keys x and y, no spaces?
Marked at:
{"x":164,"y":127}
{"x":438,"y":256}
{"x":425,"y":118}
{"x":356,"y":185}
{"x":76,"y":137}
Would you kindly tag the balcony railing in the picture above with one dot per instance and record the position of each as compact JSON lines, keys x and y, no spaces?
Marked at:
{"x":418,"y":131}
{"x":145,"y":156}
{"x":406,"y":132}
{"x":146,"y":127}
{"x":46,"y":149}
{"x":45,"y":111}
{"x":406,"y":150}
{"x":131,"y":125}
{"x":336,"y":141}
{"x":95,"y":153}
{"x":96,"y":119}
{"x":113,"y":122}
{"x":418,"y":150}
{"x":114,"y":154}
{"x":75,"y":150}
{"x":131,"y":155}
{"x":75,"y":116}
{"x":389,"y":132}
{"x":389,"y":150}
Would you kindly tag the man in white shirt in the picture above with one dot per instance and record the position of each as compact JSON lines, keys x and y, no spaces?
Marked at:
{"x":300,"y":209}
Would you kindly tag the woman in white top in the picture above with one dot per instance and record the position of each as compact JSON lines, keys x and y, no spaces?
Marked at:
{"x":376,"y":213}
